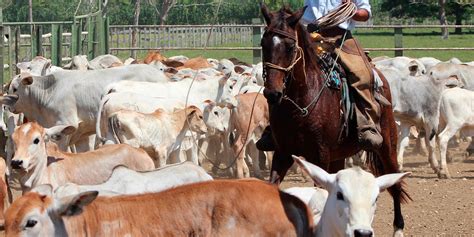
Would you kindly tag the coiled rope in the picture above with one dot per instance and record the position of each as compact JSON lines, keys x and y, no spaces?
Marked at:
{"x":339,"y":15}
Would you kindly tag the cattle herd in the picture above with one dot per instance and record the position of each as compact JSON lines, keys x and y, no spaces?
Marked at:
{"x":112,"y":148}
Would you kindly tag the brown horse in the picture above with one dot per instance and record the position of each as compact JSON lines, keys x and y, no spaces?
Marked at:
{"x":293,"y":80}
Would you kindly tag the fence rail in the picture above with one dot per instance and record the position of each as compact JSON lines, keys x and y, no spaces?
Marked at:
{"x":238,"y":37}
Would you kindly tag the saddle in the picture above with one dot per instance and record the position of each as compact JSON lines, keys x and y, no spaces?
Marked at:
{"x":334,"y":76}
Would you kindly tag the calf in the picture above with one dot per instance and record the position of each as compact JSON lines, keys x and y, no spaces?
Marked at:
{"x":158,"y":133}
{"x":456,"y":114}
{"x":43,"y":163}
{"x":124,"y":181}
{"x":215,"y":208}
{"x":247,"y":121}
{"x":352,"y":198}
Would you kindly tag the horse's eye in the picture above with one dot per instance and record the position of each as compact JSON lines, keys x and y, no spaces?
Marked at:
{"x":31,"y":223}
{"x":340,"y":196}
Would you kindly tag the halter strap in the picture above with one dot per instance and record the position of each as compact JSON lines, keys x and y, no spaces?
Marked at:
{"x":281,"y":32}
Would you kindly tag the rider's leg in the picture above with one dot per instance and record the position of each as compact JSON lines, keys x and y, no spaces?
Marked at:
{"x":360,"y":76}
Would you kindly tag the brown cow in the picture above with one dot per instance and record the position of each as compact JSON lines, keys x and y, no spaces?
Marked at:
{"x":214,"y":208}
{"x":43,"y":163}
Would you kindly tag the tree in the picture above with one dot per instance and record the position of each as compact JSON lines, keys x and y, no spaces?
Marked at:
{"x":136,"y":18}
{"x":442,"y":19}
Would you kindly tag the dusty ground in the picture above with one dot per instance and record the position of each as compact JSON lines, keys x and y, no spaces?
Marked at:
{"x":439,"y":207}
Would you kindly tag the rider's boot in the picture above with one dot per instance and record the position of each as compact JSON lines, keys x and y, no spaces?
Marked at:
{"x":368,"y":132}
{"x":266,"y":143}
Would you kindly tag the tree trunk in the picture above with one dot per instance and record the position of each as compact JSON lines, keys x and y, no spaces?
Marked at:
{"x":136,"y":18}
{"x":442,"y":19}
{"x":165,"y":9}
{"x":458,"y":11}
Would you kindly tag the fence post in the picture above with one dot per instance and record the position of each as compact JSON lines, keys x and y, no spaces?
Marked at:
{"x":257,"y":34}
{"x":75,"y":38}
{"x":56,"y":44}
{"x":398,"y":37}
{"x":90,"y":38}
{"x":36,"y":41}
{"x":1,"y":49}
{"x":17,"y":48}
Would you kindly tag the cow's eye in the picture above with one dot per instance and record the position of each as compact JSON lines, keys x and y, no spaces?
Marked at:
{"x":340,"y":196}
{"x":200,"y":117}
{"x":217,"y":114}
{"x":14,"y":90}
{"x":231,"y":87}
{"x":36,"y":141}
{"x":31,"y":223}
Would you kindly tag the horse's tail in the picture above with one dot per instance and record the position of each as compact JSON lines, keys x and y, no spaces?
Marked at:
{"x":375,"y":163}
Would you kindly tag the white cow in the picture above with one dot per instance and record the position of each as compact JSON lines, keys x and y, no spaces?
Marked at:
{"x":314,"y":197}
{"x":80,"y":62}
{"x":406,"y":65}
{"x":38,"y":66}
{"x":158,"y":133}
{"x":70,"y":97}
{"x":463,"y":72}
{"x":350,"y":206}
{"x":456,"y":114}
{"x":194,"y":91}
{"x":125,"y":181}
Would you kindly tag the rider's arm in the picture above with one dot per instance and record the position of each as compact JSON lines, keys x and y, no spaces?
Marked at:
{"x":363,"y":12}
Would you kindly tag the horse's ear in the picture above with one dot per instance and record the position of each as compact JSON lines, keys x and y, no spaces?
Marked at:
{"x":295,"y":18}
{"x":266,"y":13}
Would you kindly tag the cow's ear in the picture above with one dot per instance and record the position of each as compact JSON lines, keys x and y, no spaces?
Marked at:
{"x":43,"y":190}
{"x":191,"y":110}
{"x":56,"y":133}
{"x":413,"y":68}
{"x":26,"y":79}
{"x":318,"y":175}
{"x":386,"y":181}
{"x":239,"y":69}
{"x":173,"y":63}
{"x":68,"y":66}
{"x":74,"y":205}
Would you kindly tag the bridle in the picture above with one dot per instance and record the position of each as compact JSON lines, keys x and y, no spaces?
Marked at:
{"x":298,"y":55}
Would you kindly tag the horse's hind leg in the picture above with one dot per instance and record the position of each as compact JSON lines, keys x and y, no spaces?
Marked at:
{"x":280,"y":165}
{"x":386,"y":163}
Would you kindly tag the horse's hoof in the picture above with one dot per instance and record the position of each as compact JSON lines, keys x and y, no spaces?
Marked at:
{"x":442,"y":174}
{"x":398,"y":233}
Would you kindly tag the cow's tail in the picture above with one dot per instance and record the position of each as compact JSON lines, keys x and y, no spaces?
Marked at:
{"x":99,"y":117}
{"x":114,"y":125}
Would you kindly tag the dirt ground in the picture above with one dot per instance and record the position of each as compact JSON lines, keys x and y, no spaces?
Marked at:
{"x":439,"y":208}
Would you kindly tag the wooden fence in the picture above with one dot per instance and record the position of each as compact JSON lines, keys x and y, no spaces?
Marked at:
{"x":237,"y":37}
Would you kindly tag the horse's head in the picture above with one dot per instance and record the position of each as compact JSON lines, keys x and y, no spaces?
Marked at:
{"x":280,"y":50}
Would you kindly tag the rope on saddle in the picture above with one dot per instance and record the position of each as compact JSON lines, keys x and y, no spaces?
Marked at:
{"x":339,"y":15}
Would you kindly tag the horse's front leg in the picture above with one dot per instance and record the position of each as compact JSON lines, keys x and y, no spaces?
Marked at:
{"x":280,"y":165}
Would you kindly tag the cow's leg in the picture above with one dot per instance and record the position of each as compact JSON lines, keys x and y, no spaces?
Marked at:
{"x":403,"y":141}
{"x":430,"y":140}
{"x":85,"y":143}
{"x":280,"y":165}
{"x":444,"y":137}
{"x":239,"y":154}
{"x":254,"y":154}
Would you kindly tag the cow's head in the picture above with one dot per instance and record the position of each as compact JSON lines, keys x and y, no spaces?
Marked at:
{"x":353,"y":193}
{"x":416,"y":68}
{"x":226,"y":86}
{"x":216,"y":117}
{"x":37,"y":213}
{"x":195,"y":119}
{"x":29,"y":142}
{"x":18,"y":92}
{"x":78,"y":62}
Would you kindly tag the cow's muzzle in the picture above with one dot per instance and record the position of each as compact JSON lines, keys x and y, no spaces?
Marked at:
{"x":8,"y":100}
{"x":17,"y":164}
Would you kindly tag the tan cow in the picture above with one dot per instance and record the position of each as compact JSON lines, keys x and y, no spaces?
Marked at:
{"x":215,"y":208}
{"x":43,"y":163}
{"x":159,"y":133}
{"x":252,"y":110}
